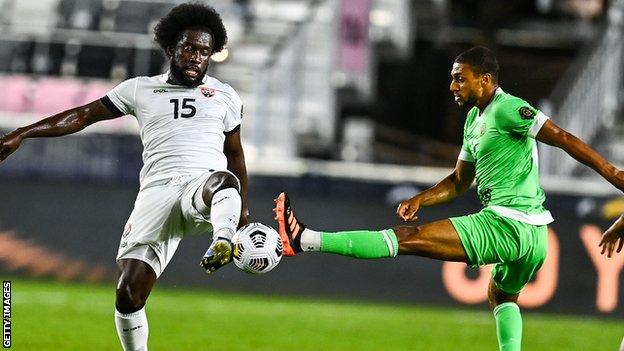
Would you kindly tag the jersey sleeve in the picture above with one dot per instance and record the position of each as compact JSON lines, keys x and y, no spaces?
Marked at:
{"x":234,"y":111}
{"x":123,"y":97}
{"x":519,"y":118}
{"x":465,"y":154}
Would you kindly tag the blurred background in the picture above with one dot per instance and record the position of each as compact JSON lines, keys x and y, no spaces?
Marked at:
{"x":346,"y":107}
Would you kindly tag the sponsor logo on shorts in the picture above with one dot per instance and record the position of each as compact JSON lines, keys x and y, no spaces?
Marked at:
{"x":127,"y":230}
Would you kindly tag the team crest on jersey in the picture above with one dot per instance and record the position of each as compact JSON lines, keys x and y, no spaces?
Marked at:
{"x":526,"y":113}
{"x":207,"y":92}
{"x":482,"y":129}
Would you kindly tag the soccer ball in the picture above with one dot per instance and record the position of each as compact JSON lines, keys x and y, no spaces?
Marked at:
{"x":257,"y":248}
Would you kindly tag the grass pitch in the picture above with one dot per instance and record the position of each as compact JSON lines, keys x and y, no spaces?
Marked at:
{"x":56,"y":316}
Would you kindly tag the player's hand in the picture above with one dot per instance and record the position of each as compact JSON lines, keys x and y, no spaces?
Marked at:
{"x":613,"y":237}
{"x":408,"y":208}
{"x":8,"y":144}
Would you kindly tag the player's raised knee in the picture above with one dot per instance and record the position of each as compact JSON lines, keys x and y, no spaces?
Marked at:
{"x":218,"y":181}
{"x":129,"y":298}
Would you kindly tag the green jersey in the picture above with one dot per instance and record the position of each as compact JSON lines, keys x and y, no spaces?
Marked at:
{"x":501,"y":141}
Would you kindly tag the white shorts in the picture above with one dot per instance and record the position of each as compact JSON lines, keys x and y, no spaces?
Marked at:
{"x":163,"y":214}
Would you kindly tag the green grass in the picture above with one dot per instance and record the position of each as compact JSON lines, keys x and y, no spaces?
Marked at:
{"x":55,"y":316}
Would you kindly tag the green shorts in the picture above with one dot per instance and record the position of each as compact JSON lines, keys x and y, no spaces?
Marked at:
{"x":518,"y":249}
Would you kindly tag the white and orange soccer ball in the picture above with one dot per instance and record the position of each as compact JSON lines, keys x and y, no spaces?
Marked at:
{"x":257,"y":248}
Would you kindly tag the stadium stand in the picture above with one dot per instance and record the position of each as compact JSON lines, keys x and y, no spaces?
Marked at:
{"x":284,"y":58}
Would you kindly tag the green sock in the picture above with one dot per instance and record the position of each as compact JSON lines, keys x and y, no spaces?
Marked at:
{"x":508,"y":326}
{"x":361,"y":243}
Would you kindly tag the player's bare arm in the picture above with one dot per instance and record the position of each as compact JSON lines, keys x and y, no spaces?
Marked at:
{"x":233,"y":150}
{"x":67,"y":122}
{"x":553,"y":135}
{"x":446,"y":190}
{"x":613,"y":237}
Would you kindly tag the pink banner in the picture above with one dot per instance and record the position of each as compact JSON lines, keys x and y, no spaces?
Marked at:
{"x":353,"y":35}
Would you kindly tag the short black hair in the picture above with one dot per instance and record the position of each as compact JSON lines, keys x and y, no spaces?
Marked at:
{"x":481,"y":59}
{"x":191,"y":15}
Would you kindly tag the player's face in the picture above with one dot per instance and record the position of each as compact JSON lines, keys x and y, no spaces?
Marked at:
{"x":190,"y":57}
{"x":466,"y":85}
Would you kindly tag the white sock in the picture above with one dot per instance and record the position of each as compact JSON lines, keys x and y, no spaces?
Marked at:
{"x":310,"y":240}
{"x":225,"y":213}
{"x":132,"y":330}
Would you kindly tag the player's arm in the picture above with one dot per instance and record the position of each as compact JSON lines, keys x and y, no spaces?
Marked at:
{"x":611,"y":237}
{"x":233,"y":150}
{"x":553,"y":135}
{"x":446,"y":190}
{"x":67,"y":122}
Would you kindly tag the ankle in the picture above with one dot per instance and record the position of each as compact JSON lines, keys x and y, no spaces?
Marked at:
{"x":308,"y":240}
{"x":223,"y":234}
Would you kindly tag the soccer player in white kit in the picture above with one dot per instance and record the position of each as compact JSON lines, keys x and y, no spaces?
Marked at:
{"x":194,"y":178}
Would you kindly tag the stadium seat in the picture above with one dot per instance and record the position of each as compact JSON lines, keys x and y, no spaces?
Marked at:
{"x":15,"y":97}
{"x":53,"y":95}
{"x":15,"y":56}
{"x":135,"y":17}
{"x":95,"y":61}
{"x":7,"y":52}
{"x":38,"y":16}
{"x":79,"y":14}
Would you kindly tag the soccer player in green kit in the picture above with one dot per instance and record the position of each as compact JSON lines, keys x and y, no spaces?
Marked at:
{"x":499,"y":151}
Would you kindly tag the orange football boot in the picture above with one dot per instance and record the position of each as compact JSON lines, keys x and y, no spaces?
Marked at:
{"x":289,"y":227}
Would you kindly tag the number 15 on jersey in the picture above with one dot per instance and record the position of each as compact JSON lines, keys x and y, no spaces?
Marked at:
{"x":188,"y":110}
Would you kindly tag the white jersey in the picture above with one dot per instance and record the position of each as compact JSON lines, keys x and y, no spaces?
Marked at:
{"x":182,"y":129}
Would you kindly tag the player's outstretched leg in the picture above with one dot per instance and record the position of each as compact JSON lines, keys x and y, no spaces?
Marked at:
{"x":437,"y":240}
{"x":360,"y":244}
{"x":221,"y":190}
